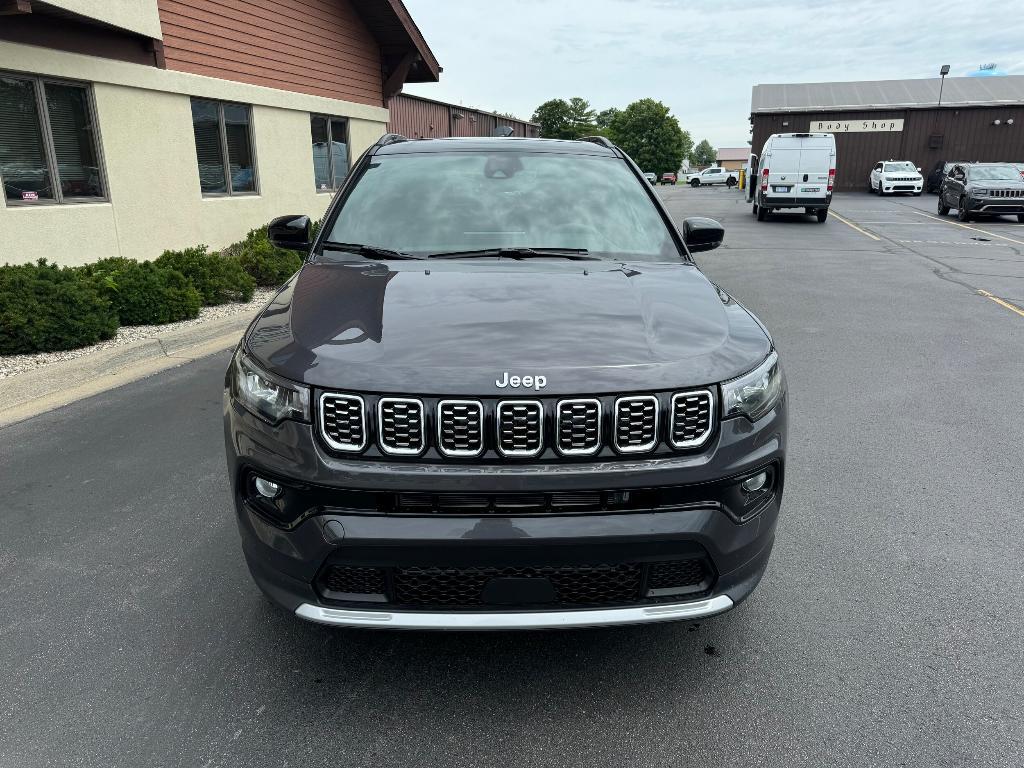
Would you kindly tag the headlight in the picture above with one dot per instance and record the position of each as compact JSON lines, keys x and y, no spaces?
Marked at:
{"x":266,"y":395}
{"x":980,"y":192}
{"x":755,"y":393}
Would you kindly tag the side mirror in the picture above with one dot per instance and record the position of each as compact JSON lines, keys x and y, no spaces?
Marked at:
{"x":291,"y":232}
{"x":701,"y":234}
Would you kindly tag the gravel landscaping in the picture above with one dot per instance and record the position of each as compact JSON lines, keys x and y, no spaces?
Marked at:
{"x":12,"y":365}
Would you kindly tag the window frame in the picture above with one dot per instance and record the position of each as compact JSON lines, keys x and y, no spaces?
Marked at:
{"x":39,"y":83}
{"x":330,"y":155}
{"x":222,"y":134}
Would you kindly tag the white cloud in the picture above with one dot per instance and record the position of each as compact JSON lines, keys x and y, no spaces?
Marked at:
{"x":699,"y":57}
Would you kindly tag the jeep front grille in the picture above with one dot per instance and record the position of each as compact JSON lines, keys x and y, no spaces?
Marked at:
{"x":343,"y":422}
{"x":484,"y":429}
{"x":460,"y":430}
{"x":579,"y":427}
{"x":691,"y":418}
{"x":636,"y":423}
{"x":1005,"y":193}
{"x":400,"y":425}
{"x":520,"y":427}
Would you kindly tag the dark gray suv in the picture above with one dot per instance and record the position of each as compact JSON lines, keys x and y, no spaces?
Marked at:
{"x":983,"y":189}
{"x":500,"y":394}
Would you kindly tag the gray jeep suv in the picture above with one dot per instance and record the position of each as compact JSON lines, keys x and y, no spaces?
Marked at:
{"x":500,"y":394}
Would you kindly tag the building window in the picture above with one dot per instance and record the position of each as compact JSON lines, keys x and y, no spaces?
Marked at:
{"x":224,"y":148}
{"x":330,"y":151}
{"x":49,"y":143}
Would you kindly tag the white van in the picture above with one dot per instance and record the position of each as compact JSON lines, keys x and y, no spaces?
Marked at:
{"x":794,"y":170}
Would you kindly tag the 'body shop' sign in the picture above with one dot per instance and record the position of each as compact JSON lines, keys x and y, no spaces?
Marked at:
{"x":856,"y":126}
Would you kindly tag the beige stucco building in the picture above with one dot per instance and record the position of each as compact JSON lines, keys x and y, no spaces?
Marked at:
{"x":131,"y":126}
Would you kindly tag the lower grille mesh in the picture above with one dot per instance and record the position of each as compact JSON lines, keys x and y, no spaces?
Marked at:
{"x":567,"y":585}
{"x":574,"y":585}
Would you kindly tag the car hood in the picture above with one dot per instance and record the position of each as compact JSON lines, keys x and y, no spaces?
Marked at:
{"x":996,"y":184}
{"x":455,"y":327}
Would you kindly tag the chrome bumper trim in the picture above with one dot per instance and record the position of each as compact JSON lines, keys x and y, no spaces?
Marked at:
{"x":602,"y":617}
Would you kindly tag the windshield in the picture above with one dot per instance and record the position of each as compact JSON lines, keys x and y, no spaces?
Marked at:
{"x":434,"y":202}
{"x":900,"y":168}
{"x":993,"y":173}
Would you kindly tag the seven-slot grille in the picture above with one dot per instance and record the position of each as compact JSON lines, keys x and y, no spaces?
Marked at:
{"x":1005,"y":193}
{"x":460,"y":427}
{"x":691,"y":418}
{"x":400,"y":425}
{"x":636,"y":423}
{"x":520,"y":427}
{"x":343,"y":422}
{"x":574,"y":427}
{"x":579,"y":427}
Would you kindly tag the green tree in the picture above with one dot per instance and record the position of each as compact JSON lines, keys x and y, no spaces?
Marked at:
{"x":554,"y":118}
{"x":604,"y":117}
{"x":581,"y":118}
{"x":704,"y":154}
{"x":561,"y":119}
{"x":647,"y":132}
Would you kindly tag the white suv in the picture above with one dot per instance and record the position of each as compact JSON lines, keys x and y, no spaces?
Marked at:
{"x":895,"y":176}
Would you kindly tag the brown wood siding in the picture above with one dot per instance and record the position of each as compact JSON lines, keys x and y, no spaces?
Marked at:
{"x":319,"y":47}
{"x":967,"y":134}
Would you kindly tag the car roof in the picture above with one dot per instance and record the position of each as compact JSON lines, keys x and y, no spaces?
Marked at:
{"x":495,"y":144}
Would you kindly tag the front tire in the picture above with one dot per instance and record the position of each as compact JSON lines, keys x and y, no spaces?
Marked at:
{"x":821,"y":214}
{"x":962,"y":212}
{"x":695,"y":183}
{"x":942,"y":207}
{"x":881,"y":192}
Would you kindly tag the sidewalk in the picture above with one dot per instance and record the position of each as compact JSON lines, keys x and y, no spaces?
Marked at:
{"x":28,"y":394}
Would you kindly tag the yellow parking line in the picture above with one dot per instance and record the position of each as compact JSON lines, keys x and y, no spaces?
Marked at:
{"x":854,"y":226}
{"x":1000,"y":302}
{"x":965,"y":226}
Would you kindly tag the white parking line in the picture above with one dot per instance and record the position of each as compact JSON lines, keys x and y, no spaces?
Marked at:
{"x":966,"y":226}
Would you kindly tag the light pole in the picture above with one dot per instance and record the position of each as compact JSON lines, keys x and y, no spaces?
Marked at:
{"x":944,"y":71}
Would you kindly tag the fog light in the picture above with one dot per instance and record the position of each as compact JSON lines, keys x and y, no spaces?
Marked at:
{"x":755,"y":483}
{"x":267,"y":489}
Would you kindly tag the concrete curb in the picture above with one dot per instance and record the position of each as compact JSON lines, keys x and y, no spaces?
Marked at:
{"x":28,"y":394}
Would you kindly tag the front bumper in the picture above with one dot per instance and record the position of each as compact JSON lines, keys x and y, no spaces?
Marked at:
{"x":891,"y":187}
{"x":288,"y":560}
{"x":996,"y":206}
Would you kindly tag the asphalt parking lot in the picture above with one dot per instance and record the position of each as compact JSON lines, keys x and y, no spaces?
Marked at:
{"x":887,"y":631}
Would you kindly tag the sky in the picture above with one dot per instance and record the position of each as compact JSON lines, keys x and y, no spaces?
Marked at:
{"x":700,"y":57}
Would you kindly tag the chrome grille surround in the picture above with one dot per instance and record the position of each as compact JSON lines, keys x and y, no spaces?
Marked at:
{"x":460,"y":427}
{"x":696,"y":411}
{"x":400,"y":426}
{"x":638,"y":433}
{"x":569,"y":432}
{"x":348,"y":436}
{"x":519,"y":423}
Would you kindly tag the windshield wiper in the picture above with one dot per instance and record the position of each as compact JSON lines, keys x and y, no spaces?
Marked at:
{"x":368,"y":250}
{"x":575,"y":254}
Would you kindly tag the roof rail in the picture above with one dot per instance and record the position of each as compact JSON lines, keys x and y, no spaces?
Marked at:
{"x":390,"y":138}
{"x":602,"y":140}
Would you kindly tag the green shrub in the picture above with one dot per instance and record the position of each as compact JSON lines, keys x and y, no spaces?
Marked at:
{"x":267,"y":264}
{"x":219,"y":279}
{"x":44,"y":308}
{"x":145,"y":293}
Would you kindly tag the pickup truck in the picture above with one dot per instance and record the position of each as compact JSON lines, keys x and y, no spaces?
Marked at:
{"x":712,"y":176}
